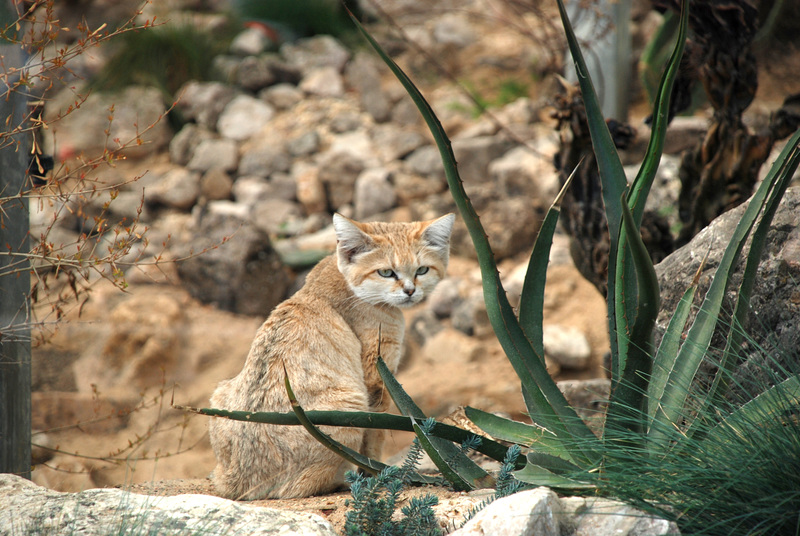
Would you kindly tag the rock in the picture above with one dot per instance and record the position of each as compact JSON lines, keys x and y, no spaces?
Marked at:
{"x":250,"y":189}
{"x":26,"y":508}
{"x":374,"y":193}
{"x":274,"y":216}
{"x":451,"y":344}
{"x":178,"y":188}
{"x":216,"y":185}
{"x":203,"y":102}
{"x":244,"y":117}
{"x":310,"y":189}
{"x":519,"y":173}
{"x":304,"y":144}
{"x":567,"y":346}
{"x":215,"y":154}
{"x":282,"y":96}
{"x":363,"y":75}
{"x":393,"y":143}
{"x":474,"y":155}
{"x":535,"y":511}
{"x":323,"y":82}
{"x":445,"y":297}
{"x":315,"y":52}
{"x":183,"y":144}
{"x":254,"y":73}
{"x":250,"y":42}
{"x":423,"y":326}
{"x":338,"y":171}
{"x":454,"y":29}
{"x":231,"y":263}
{"x":469,"y":316}
{"x":410,"y":187}
{"x":773,"y":324}
{"x":263,"y":157}
{"x":599,"y":517}
{"x":426,"y":161}
{"x":511,"y":224}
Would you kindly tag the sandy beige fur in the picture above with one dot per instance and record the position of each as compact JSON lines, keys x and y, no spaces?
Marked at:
{"x":326,"y":336}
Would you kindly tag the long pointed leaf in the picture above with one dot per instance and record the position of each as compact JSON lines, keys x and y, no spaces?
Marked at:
{"x":455,"y":460}
{"x":627,"y":402}
{"x":359,"y":460}
{"x":450,"y":473}
{"x":612,"y":175}
{"x":531,"y":301}
{"x":526,"y":435}
{"x":545,"y":399}
{"x":539,"y":475}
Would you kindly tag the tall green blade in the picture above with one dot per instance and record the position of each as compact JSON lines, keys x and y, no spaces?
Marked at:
{"x":531,"y":301}
{"x":545,"y":400}
{"x":626,"y":287}
{"x":626,"y":410}
{"x":437,"y":448}
{"x":612,"y":175}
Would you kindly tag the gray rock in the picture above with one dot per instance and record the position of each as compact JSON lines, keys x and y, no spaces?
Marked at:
{"x":346,"y":121}
{"x":445,"y":298}
{"x":304,"y":144}
{"x":323,"y":82}
{"x":183,"y":144}
{"x":26,"y":508}
{"x":178,"y":188}
{"x":283,"y":186}
{"x":426,"y":161}
{"x":474,"y":155}
{"x":469,"y":316}
{"x":263,"y":158}
{"x":276,"y":216}
{"x":454,"y":29}
{"x":216,"y":185}
{"x":238,"y":269}
{"x":314,"y":52}
{"x":511,"y":224}
{"x":517,"y":173}
{"x":244,"y":117}
{"x":282,"y":96}
{"x":393,"y":143}
{"x":536,"y":511}
{"x":411,"y":187}
{"x":310,"y":189}
{"x":567,"y":346}
{"x":249,"y":42}
{"x":601,"y":517}
{"x":374,"y":193}
{"x":254,"y":73}
{"x":250,"y":189}
{"x":773,"y":323}
{"x":363,"y":75}
{"x":423,"y":326}
{"x":215,"y":154}
{"x":338,"y":172}
{"x":203,"y":102}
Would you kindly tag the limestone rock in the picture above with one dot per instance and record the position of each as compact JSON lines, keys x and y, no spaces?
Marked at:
{"x":241,"y":272}
{"x":244,"y":117}
{"x":314,"y":52}
{"x":178,"y":188}
{"x":567,"y":346}
{"x":773,"y":323}
{"x":26,"y":508}
{"x":203,"y":102}
{"x":323,"y":82}
{"x":215,"y":153}
{"x":374,"y":193}
{"x":535,"y":511}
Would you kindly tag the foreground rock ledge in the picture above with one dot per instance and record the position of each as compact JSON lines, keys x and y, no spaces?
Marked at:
{"x":26,"y":508}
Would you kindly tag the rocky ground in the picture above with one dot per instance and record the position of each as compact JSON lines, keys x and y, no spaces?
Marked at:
{"x":253,"y":176}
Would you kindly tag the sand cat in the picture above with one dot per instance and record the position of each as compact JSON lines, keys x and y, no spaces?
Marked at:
{"x":326,"y":337}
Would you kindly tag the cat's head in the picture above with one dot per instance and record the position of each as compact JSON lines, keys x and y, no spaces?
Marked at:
{"x":395,"y":264}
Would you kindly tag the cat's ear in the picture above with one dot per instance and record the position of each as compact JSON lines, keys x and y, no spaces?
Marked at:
{"x":437,"y":234}
{"x":350,"y":240}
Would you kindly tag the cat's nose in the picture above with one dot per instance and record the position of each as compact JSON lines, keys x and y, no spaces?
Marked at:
{"x":409,"y":291}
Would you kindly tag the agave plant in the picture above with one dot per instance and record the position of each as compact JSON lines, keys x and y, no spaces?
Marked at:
{"x":647,"y":422}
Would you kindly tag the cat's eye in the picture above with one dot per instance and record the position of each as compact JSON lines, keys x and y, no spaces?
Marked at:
{"x":422,"y":270}
{"x":385,"y":272}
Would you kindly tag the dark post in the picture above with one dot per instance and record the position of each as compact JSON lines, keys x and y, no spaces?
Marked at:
{"x":15,"y":341}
